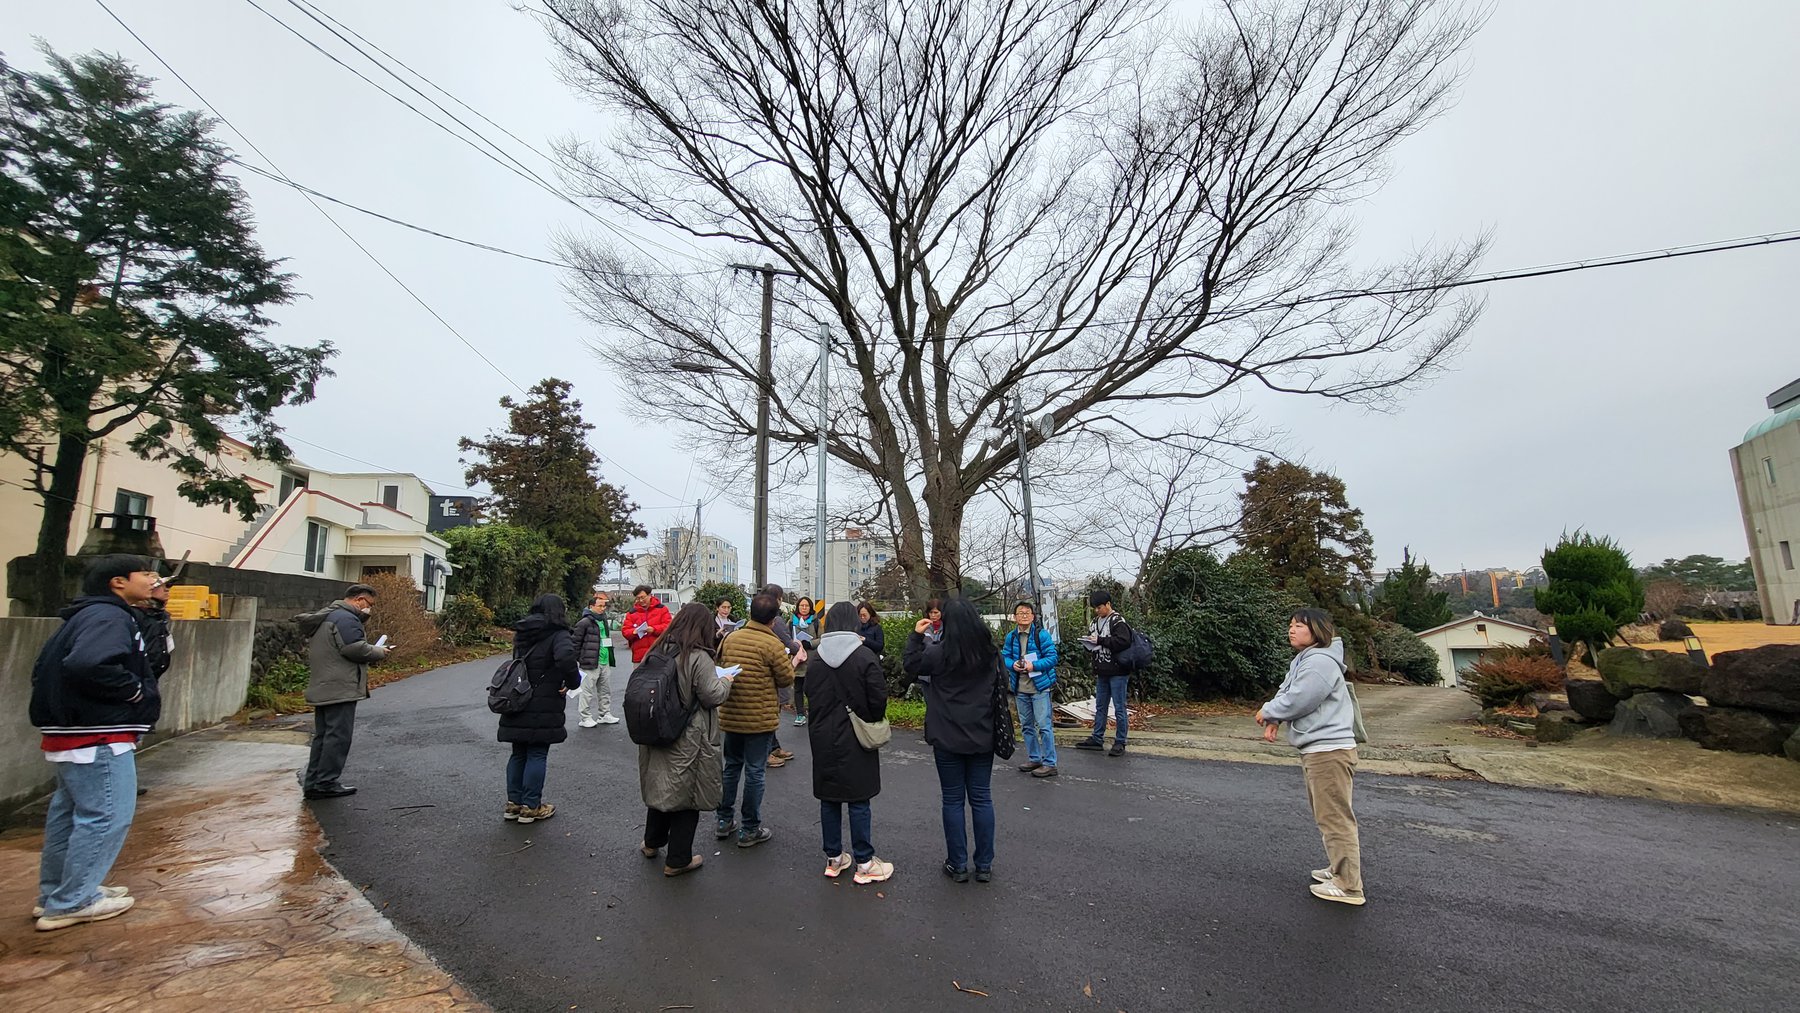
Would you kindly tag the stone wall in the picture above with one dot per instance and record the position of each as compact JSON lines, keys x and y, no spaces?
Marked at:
{"x":204,"y":685}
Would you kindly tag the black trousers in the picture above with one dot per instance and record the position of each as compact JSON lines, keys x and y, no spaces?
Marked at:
{"x":675,"y":831}
{"x":800,"y":693}
{"x":333,"y":724}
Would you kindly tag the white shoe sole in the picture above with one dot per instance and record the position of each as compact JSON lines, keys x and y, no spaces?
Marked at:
{"x":49,"y":924}
{"x":1339,"y":898}
{"x":37,"y":911}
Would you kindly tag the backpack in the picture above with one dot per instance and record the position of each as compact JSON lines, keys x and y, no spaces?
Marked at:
{"x":510,"y":689}
{"x":1136,"y":657}
{"x":653,"y":712}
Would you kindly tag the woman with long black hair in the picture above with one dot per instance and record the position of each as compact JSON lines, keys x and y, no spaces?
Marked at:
{"x":959,"y":671}
{"x":682,"y":778}
{"x":542,"y":639}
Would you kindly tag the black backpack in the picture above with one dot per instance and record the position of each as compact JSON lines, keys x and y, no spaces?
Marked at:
{"x":1136,"y":657}
{"x":510,"y":689}
{"x":653,"y":712}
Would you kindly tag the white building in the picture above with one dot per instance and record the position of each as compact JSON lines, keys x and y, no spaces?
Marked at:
{"x":673,"y":562}
{"x":850,"y":560}
{"x":314,"y":522}
{"x":1766,"y":468}
{"x":1461,"y":642}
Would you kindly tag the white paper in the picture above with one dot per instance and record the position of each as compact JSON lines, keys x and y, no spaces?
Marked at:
{"x":1031,"y":660}
{"x":728,"y":673}
{"x":382,"y":642}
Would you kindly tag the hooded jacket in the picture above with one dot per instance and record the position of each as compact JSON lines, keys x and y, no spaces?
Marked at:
{"x":1314,"y":701}
{"x":338,"y":654}
{"x":959,"y":704}
{"x":93,"y":677}
{"x":654,"y":615}
{"x":593,"y":641}
{"x":549,"y":654}
{"x":1040,"y":643}
{"x":845,"y":676}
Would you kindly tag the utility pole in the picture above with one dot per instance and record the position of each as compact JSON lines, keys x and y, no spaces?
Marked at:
{"x":764,"y":383}
{"x":824,"y":421}
{"x":697,"y":571}
{"x":1037,"y":603}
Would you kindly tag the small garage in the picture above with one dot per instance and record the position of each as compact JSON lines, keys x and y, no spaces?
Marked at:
{"x":1461,"y":642}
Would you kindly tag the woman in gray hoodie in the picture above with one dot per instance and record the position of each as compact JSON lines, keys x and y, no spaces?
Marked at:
{"x":1316,"y":704}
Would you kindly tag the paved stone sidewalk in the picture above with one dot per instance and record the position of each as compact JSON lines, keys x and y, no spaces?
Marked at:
{"x":235,"y":908}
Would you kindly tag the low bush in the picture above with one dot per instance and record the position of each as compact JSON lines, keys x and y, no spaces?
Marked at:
{"x":399,"y":614}
{"x":1505,"y":676}
{"x":1674,"y":629}
{"x":465,"y":620}
{"x":1400,"y":651}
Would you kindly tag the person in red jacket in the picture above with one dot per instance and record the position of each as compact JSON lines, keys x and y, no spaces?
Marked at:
{"x":645,"y":622}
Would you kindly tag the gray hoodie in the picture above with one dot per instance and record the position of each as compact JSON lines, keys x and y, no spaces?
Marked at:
{"x":835,"y":648}
{"x":1314,"y":701}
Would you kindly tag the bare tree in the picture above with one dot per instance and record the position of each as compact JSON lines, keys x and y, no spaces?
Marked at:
{"x":1076,"y":199}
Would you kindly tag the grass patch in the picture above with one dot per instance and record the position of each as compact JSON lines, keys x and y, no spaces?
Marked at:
{"x":906,"y":713}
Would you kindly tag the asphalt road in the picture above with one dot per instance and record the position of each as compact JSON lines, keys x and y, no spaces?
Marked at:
{"x":1138,"y":883}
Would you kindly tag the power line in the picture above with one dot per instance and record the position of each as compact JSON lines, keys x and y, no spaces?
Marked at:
{"x":504,"y":159}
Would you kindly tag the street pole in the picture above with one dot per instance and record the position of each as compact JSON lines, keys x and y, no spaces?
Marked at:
{"x":759,"y":560}
{"x":697,"y":573}
{"x":1025,"y":487}
{"x":819,"y":507}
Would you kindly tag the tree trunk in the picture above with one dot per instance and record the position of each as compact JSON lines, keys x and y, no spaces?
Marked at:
{"x":53,"y":531}
{"x":945,"y":568}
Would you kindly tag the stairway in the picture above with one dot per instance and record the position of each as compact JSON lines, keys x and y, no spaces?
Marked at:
{"x":256,"y":524}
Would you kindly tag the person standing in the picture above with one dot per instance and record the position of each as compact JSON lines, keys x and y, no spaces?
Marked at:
{"x":804,"y":629}
{"x":1107,"y":638}
{"x":339,"y":654}
{"x":749,"y":717}
{"x":846,"y":679}
{"x":153,"y":619}
{"x":869,"y":628}
{"x":542,"y":638}
{"x":646,"y":621}
{"x":1314,"y":702}
{"x":93,"y":695}
{"x":722,"y":618}
{"x":1029,"y":655}
{"x":959,"y":672}
{"x":593,"y":654}
{"x":778,"y":757}
{"x":682,"y":778}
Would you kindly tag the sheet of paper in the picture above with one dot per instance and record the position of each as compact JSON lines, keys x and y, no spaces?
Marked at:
{"x":382,"y":642}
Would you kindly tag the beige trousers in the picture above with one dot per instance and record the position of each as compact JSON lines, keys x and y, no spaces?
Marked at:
{"x":1328,"y":791}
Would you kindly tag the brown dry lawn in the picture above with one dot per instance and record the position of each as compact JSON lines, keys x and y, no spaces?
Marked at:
{"x":1716,"y":637}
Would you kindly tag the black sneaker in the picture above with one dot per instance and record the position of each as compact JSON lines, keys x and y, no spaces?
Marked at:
{"x":725,"y":830}
{"x":1118,"y":749}
{"x":1044,"y":772}
{"x":329,"y":791}
{"x":755,"y":837}
{"x":984,"y":875}
{"x":1090,"y":744}
{"x":955,"y":874}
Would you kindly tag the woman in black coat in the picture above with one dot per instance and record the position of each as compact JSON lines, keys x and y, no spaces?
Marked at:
{"x":542,"y":639}
{"x":959,"y":673}
{"x":846,"y":676}
{"x":873,"y":636}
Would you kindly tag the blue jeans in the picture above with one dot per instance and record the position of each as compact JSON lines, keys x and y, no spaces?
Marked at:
{"x":862,"y":828}
{"x":1110,"y":688}
{"x":1034,"y":717}
{"x":525,"y":771}
{"x":85,"y":828}
{"x":746,"y":756}
{"x":964,"y":776}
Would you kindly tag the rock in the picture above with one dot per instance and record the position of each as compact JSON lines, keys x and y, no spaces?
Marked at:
{"x":1792,"y":746}
{"x":1629,"y":670}
{"x":1651,"y":715}
{"x":1590,"y":699}
{"x":1557,"y":726}
{"x":1762,"y":678}
{"x":1673,"y":629}
{"x":1547,"y":702}
{"x":1736,"y":729}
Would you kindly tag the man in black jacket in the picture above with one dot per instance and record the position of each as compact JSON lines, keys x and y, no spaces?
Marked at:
{"x":1107,"y":638}
{"x":153,"y":619}
{"x":93,"y":694}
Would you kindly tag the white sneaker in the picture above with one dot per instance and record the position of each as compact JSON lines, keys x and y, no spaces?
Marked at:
{"x":100,"y":910}
{"x":873,"y":871}
{"x":1321,"y":875}
{"x":834,"y":866}
{"x":589,"y":723}
{"x":37,"y":911}
{"x":1336,"y":893}
{"x":609,"y":720}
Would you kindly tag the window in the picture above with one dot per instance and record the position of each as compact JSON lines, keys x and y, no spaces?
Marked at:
{"x":290,"y":482}
{"x":315,"y":547}
{"x":390,"y":497}
{"x":134,"y":503}
{"x":1787,"y":557}
{"x":1769,"y":469}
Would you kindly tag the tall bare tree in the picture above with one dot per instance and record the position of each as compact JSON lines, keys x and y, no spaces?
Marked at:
{"x":1078,"y":199}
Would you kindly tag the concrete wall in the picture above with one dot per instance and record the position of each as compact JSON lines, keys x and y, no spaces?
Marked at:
{"x":205,"y":685}
{"x":1766,"y":469}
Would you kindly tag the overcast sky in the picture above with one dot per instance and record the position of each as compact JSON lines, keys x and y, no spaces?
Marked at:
{"x":1606,"y":399}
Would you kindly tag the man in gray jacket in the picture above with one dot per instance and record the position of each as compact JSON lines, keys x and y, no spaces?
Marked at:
{"x":338,"y":654}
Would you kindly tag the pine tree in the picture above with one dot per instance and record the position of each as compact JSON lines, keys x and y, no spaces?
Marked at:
{"x":546,"y":477}
{"x":1405,"y":596}
{"x":133,"y":293}
{"x":1593,"y":590}
{"x":1302,"y":525}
